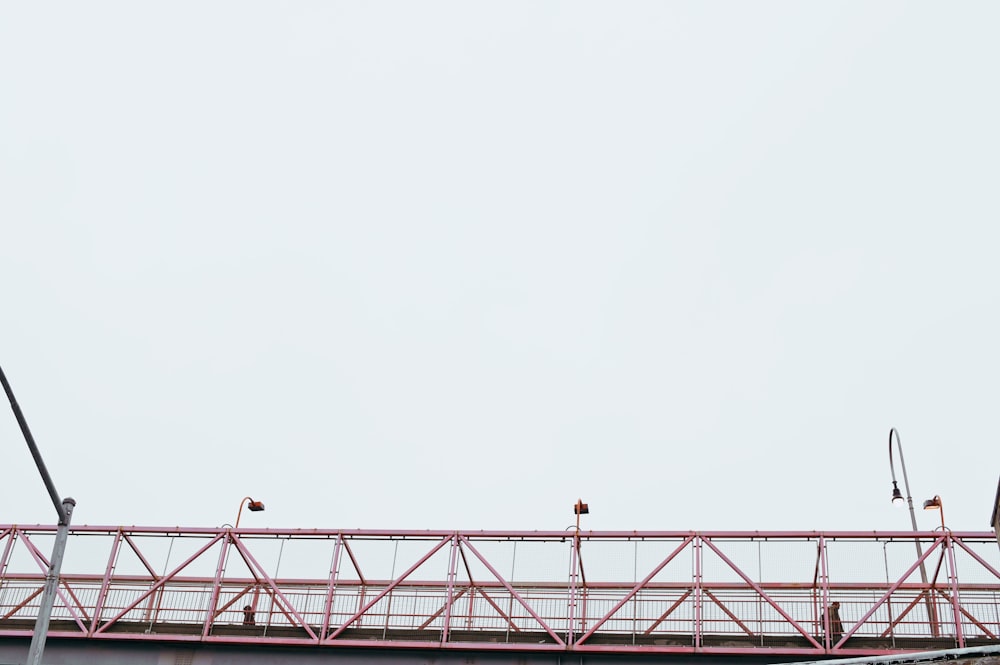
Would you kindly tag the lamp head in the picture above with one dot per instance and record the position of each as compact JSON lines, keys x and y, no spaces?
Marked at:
{"x":933,"y":504}
{"x":896,"y":494}
{"x":255,"y":506}
{"x":580,"y":508}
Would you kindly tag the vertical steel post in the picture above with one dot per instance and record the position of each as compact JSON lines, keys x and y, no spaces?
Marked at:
{"x":64,"y":509}
{"x":106,"y":582}
{"x":576,"y":565}
{"x":51,"y":586}
{"x":697,"y":591}
{"x":331,"y":586}
{"x":956,"y":607}
{"x":5,"y":557}
{"x":574,"y":553}
{"x":220,"y":571}
{"x":825,"y":581}
{"x":450,"y":593}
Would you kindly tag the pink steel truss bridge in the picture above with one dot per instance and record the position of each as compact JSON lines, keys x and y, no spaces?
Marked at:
{"x":722,"y":592}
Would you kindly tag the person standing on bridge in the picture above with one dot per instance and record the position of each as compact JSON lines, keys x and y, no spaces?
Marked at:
{"x":836,"y":626}
{"x":248,"y":616}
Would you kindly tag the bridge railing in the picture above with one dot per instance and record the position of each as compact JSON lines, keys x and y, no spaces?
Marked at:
{"x":592,"y":591}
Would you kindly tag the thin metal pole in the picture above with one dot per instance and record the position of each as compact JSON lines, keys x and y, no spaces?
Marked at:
{"x":941,"y":509}
{"x":697,"y":591}
{"x":64,"y":510}
{"x":56,"y":501}
{"x":574,"y":563}
{"x":240,"y":513}
{"x":825,"y":581}
{"x":931,"y":608}
{"x":952,"y":573}
{"x":956,"y":608}
{"x":51,"y":586}
{"x":450,"y":593}
{"x":995,"y":517}
{"x":332,"y":586}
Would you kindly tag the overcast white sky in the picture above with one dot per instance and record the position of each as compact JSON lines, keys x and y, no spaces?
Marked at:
{"x":457,"y":264}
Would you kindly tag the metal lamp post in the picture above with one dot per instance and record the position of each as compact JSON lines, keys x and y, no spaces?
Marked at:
{"x":576,"y":568}
{"x":253,"y":506}
{"x":936,"y":504}
{"x":64,"y":509}
{"x":897,"y":496}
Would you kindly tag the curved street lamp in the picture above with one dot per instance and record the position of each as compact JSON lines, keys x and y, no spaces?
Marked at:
{"x":252,"y":506}
{"x":580,"y":508}
{"x":896,"y":497}
{"x":936,"y":504}
{"x":896,"y":494}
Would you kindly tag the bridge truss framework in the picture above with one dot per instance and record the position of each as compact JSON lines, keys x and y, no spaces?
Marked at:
{"x":586,"y":592}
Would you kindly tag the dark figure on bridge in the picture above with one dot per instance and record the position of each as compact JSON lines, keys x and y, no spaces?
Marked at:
{"x":836,"y":625}
{"x":248,"y":619}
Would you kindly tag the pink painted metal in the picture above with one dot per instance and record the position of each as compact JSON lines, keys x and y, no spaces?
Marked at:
{"x":159,"y":583}
{"x":698,"y":625}
{"x":732,"y":592}
{"x":756,"y":587}
{"x":388,"y":589}
{"x":43,"y":565}
{"x":115,"y":544}
{"x":8,"y":536}
{"x":825,"y":577}
{"x":515,"y":595}
{"x":332,"y":582}
{"x":631,"y":594}
{"x":896,"y":585}
{"x":277,"y":597}
{"x":450,"y":593}
{"x":574,"y":582}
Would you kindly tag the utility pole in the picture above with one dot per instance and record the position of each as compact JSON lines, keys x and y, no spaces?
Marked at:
{"x":64,"y":510}
{"x":897,"y":496}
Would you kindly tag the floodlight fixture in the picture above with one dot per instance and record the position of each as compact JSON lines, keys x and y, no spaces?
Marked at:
{"x":252,"y":506}
{"x":935,"y":504}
